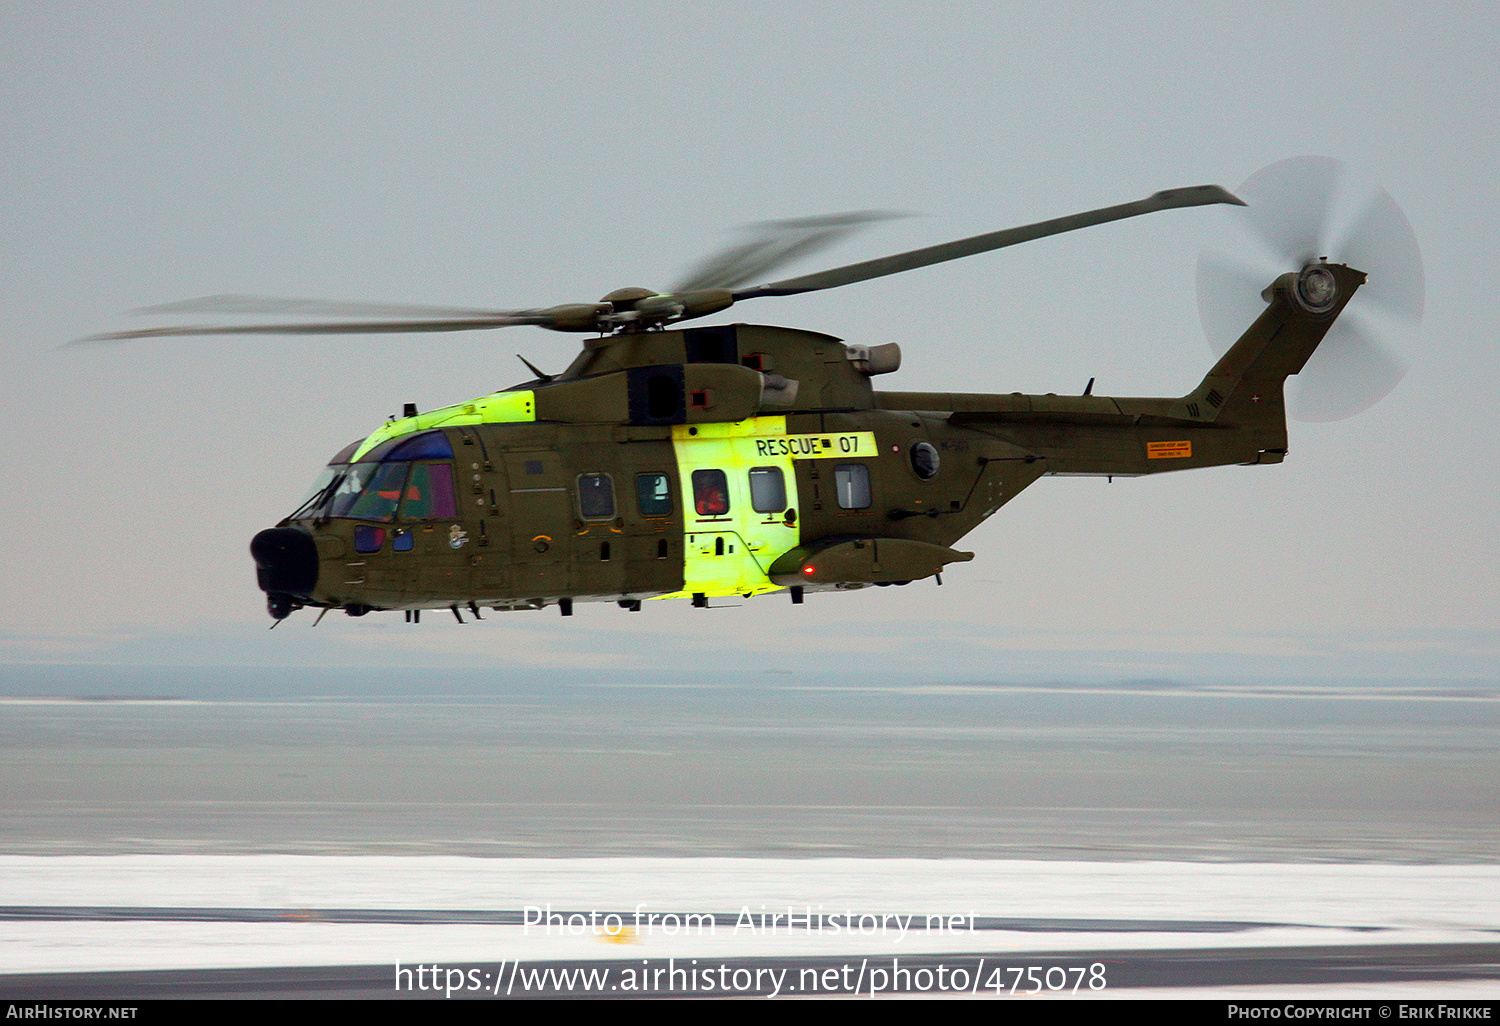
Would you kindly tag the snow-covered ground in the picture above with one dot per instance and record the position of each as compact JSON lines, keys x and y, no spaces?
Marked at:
{"x":1302,"y":904}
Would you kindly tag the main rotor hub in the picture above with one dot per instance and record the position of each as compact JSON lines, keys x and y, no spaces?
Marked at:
{"x":625,"y":299}
{"x":1317,"y":290}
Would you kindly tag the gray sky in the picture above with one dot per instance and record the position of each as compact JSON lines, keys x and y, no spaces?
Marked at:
{"x":511,"y":155}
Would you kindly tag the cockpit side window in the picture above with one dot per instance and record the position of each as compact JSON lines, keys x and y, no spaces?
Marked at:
{"x":429,"y":493}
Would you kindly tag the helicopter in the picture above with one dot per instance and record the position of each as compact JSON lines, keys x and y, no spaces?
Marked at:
{"x":741,"y":459}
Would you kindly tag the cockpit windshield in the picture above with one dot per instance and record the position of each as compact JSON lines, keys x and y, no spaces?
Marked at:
{"x":317,"y":495}
{"x":388,"y":480}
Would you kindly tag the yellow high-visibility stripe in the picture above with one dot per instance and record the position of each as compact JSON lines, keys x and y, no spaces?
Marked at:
{"x":750,"y":541}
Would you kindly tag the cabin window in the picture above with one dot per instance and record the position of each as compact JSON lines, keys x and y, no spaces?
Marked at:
{"x":596,"y":497}
{"x":402,"y":540}
{"x":368,"y":539}
{"x":852,"y":483}
{"x":429,"y":493}
{"x":767,"y":490}
{"x":924,"y":460}
{"x":653,"y":495}
{"x":710,"y":493}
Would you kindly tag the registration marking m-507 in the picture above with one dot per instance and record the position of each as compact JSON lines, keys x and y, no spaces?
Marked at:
{"x":837,"y":445}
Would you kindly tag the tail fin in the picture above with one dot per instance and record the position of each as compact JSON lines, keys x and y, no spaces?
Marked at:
{"x":1245,"y":389}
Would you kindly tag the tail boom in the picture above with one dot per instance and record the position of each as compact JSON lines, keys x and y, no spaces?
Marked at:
{"x":1236,"y":415}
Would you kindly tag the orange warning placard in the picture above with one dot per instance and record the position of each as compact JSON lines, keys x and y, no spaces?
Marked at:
{"x":1168,"y":450}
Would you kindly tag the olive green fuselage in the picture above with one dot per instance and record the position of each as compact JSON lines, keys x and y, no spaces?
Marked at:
{"x":735,"y":460}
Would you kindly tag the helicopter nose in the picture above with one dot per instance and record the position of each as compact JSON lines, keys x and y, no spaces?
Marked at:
{"x":286,"y":561}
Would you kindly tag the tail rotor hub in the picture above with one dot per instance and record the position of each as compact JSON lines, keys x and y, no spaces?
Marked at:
{"x":1317,"y":290}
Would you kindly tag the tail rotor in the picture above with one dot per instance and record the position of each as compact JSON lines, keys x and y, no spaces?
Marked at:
{"x":1300,"y":211}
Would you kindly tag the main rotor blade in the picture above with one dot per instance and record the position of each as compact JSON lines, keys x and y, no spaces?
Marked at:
{"x":1193,"y":196}
{"x":324,"y":328}
{"x":773,"y":244}
{"x":235,"y":304}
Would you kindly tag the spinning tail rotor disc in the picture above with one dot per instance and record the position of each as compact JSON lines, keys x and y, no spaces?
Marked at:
{"x":1299,"y":211}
